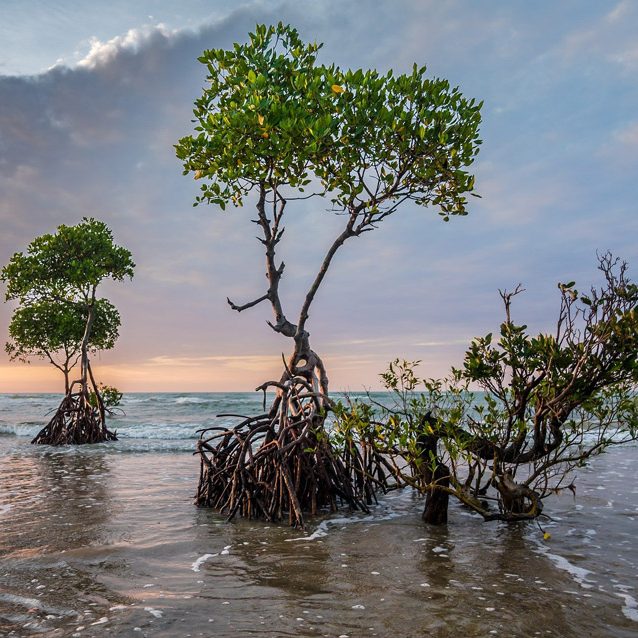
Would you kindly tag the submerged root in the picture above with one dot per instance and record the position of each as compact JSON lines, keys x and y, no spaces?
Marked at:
{"x":276,"y":466}
{"x":75,"y":421}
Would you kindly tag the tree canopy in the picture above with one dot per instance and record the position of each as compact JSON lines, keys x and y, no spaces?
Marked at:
{"x":66,"y":265}
{"x":60,"y":317}
{"x":274,"y":120}
{"x":273,"y":116}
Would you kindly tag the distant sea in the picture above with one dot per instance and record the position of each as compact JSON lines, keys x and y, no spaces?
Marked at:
{"x":104,"y":540}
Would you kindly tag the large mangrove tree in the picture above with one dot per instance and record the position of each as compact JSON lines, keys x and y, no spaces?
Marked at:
{"x":275,"y":124}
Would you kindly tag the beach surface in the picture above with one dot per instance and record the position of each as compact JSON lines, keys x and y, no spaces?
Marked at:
{"x":105,"y":540}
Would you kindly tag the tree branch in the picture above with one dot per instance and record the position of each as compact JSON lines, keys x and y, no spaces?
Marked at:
{"x":325,"y":264}
{"x":245,"y":306}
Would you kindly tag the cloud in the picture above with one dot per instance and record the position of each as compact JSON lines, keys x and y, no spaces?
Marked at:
{"x":104,"y":53}
{"x":443,"y":344}
{"x":628,"y":135}
{"x":97,"y":139}
{"x":610,"y":40}
{"x":244,"y":362}
{"x":619,"y":12}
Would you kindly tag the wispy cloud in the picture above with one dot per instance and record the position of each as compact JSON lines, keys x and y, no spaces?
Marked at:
{"x":628,"y":135}
{"x":443,"y":344}
{"x":239,"y":361}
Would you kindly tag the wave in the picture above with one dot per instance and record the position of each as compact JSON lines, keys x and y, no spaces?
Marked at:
{"x":158,"y":431}
{"x":144,"y":446}
{"x":188,"y":400}
{"x":24,"y":428}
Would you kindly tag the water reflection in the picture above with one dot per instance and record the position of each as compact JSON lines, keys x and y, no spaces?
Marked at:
{"x":56,"y":505}
{"x":143,"y":556}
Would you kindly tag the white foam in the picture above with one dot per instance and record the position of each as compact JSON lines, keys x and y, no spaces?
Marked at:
{"x":21,"y":429}
{"x":101,"y":621}
{"x":579,"y":574}
{"x":196,"y":566}
{"x":183,"y":400}
{"x":154,"y":612}
{"x":322,"y":528}
{"x":630,"y":609}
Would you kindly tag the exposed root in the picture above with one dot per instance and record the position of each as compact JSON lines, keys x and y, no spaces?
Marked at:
{"x":279,"y":465}
{"x":75,"y":421}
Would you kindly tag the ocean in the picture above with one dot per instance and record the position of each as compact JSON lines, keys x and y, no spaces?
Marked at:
{"x":104,"y":540}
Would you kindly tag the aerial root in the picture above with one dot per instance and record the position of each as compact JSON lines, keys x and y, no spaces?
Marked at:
{"x":280,"y":465}
{"x":75,"y":421}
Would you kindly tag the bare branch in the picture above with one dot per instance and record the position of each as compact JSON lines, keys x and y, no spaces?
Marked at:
{"x":245,"y":306}
{"x":325,"y":264}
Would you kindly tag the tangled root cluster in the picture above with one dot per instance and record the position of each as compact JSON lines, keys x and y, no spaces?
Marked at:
{"x":277,"y":465}
{"x":75,"y":421}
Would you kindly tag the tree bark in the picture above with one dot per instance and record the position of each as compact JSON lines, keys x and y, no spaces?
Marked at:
{"x":436,"y":500}
{"x":435,"y":475}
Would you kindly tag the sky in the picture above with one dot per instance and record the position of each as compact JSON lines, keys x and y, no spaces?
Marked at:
{"x":93,"y":96}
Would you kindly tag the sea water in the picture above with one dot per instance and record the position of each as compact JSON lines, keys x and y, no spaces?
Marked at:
{"x":105,"y":540}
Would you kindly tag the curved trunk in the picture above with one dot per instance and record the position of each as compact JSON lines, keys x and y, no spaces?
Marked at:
{"x":435,"y":475}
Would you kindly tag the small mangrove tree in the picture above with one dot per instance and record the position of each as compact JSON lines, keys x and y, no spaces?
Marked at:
{"x":59,"y":317}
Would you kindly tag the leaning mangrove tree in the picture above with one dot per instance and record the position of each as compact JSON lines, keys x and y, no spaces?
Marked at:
{"x":59,"y":317}
{"x":545,"y":405}
{"x":275,"y":124}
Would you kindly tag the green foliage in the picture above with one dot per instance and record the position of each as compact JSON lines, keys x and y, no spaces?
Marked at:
{"x":595,"y":346}
{"x":67,"y":264}
{"x":271,"y":115}
{"x":45,"y":327}
{"x":55,"y":285}
{"x":547,"y":404}
{"x":110,"y":395}
{"x":266,"y":103}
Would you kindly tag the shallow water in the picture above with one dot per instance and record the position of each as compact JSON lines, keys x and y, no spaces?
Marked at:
{"x":104,"y":540}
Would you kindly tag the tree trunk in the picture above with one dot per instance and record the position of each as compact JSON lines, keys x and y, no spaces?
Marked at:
{"x":436,"y":500}
{"x":281,"y":463}
{"x":85,"y":348}
{"x":435,"y":473}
